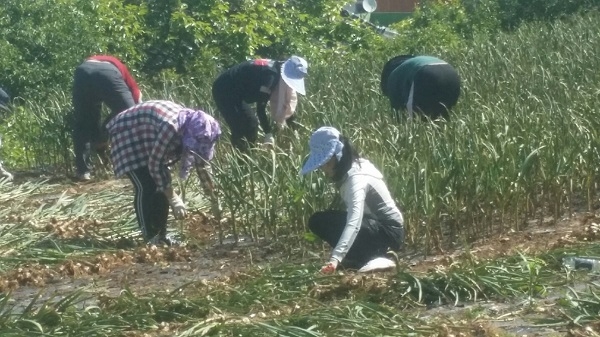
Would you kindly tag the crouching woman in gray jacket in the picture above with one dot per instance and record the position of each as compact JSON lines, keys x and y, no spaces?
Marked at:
{"x":372,"y":223}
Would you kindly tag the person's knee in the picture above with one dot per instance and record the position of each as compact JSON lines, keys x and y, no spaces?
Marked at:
{"x":315,"y":222}
{"x":100,"y":147}
{"x":397,"y":242}
{"x":245,"y":131}
{"x":454,"y":95}
{"x":252,"y":136}
{"x":431,"y":112}
{"x":160,"y":198}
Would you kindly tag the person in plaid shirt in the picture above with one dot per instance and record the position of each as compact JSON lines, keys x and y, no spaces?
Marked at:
{"x":148,"y":138}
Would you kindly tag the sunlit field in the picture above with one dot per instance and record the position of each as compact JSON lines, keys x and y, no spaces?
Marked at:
{"x":492,"y":199}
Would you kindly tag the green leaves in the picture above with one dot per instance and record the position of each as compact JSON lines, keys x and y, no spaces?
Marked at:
{"x":43,"y":41}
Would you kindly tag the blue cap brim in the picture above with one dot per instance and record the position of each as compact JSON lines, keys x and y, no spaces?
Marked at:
{"x":315,"y":161}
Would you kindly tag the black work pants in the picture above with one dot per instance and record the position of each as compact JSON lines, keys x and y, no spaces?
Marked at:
{"x":373,"y":239}
{"x":151,"y":206}
{"x":436,"y":90}
{"x":239,"y":115}
{"x":95,"y":83}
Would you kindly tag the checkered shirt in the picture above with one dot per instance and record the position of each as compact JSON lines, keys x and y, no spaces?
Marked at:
{"x":146,"y":134}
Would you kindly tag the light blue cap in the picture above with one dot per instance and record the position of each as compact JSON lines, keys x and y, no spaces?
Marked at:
{"x":324,"y":144}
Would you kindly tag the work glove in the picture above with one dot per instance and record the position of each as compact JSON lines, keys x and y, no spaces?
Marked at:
{"x":269,"y":140}
{"x":330,"y":267}
{"x":177,"y":206}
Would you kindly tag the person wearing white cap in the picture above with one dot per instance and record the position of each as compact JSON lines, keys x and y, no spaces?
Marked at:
{"x":259,"y":81}
{"x":372,"y":223}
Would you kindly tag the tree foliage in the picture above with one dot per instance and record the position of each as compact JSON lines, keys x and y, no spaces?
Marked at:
{"x":173,"y":44}
{"x":448,"y":24}
{"x":43,"y":40}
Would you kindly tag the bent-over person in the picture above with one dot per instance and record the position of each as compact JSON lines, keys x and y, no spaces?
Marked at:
{"x":146,"y":140}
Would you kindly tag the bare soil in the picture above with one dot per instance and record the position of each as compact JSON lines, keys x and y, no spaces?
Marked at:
{"x":148,"y":269}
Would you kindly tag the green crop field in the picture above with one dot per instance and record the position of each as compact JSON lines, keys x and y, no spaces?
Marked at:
{"x":493,"y":199}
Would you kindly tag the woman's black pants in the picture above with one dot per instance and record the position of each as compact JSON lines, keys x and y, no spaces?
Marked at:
{"x":373,"y":240}
{"x":151,"y":207}
{"x":239,"y":115}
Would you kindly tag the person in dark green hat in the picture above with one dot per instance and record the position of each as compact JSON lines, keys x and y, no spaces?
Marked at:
{"x":420,"y":85}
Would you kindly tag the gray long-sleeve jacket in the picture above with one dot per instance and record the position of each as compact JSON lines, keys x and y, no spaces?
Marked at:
{"x":364,"y":193}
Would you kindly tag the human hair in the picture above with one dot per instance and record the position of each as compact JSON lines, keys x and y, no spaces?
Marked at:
{"x":349,"y":155}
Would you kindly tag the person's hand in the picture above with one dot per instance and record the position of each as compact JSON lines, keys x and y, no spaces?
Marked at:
{"x":269,"y":140}
{"x":177,"y":206}
{"x":330,"y":267}
{"x":279,"y":126}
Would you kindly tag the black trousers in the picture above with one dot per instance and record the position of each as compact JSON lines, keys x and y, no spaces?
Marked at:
{"x":151,"y":207}
{"x":436,"y":90}
{"x":95,"y":83}
{"x":373,"y":240}
{"x":239,"y":115}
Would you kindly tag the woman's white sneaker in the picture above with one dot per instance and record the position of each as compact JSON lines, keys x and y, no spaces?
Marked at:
{"x":377,"y":264}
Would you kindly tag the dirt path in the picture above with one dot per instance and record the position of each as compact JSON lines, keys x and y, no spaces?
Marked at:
{"x":148,"y":269}
{"x":536,"y":239}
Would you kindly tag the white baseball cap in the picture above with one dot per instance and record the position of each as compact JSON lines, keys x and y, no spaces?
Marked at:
{"x":293,"y":72}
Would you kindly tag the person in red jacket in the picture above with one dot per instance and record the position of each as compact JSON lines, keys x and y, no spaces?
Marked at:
{"x":99,"y":79}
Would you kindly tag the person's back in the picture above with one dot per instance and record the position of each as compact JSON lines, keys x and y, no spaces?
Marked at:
{"x":378,"y":201}
{"x":248,"y":77}
{"x":405,"y":72}
{"x":424,"y":85}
